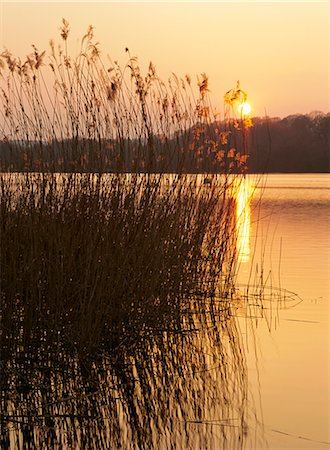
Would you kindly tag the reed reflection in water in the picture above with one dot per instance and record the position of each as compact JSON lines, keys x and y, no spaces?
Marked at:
{"x":183,"y":388}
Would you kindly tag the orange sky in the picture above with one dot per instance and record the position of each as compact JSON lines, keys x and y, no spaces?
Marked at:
{"x":278,"y":50}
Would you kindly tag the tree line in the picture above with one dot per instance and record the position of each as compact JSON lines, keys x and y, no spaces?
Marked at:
{"x":297,"y":143}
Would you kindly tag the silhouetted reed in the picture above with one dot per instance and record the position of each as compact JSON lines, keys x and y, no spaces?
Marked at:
{"x":116,"y":288}
{"x":75,"y":113}
{"x":85,"y":251}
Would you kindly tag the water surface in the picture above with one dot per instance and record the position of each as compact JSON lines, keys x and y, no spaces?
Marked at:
{"x":290,"y":240}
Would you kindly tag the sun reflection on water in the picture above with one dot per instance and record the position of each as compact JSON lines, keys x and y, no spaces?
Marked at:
{"x":242,"y":195}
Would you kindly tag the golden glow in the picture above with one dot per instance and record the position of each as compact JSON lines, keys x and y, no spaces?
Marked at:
{"x":244,"y":109}
{"x":275,"y":80}
{"x":242,"y":194}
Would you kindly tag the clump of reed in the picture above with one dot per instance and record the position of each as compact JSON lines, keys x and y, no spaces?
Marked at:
{"x":99,"y":246}
{"x":88,"y":253}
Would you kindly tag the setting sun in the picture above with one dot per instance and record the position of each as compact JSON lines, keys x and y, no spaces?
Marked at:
{"x":244,"y":109}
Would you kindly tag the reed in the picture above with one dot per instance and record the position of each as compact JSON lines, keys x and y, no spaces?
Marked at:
{"x":99,"y":245}
{"x":77,"y":113}
{"x":86,"y":250}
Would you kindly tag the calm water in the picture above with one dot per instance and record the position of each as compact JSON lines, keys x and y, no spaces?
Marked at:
{"x":289,"y":365}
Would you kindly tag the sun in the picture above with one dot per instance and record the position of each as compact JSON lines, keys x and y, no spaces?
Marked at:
{"x":244,"y":108}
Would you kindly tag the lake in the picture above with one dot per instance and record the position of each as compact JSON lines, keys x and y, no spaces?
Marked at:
{"x":288,"y":355}
{"x":250,"y":372}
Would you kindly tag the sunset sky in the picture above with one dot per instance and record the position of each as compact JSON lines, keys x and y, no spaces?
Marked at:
{"x":278,"y":50}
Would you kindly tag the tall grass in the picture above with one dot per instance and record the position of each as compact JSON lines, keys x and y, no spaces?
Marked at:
{"x":96,"y":263}
{"x":77,"y":113}
{"x":85,"y":252}
{"x":89,"y":249}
